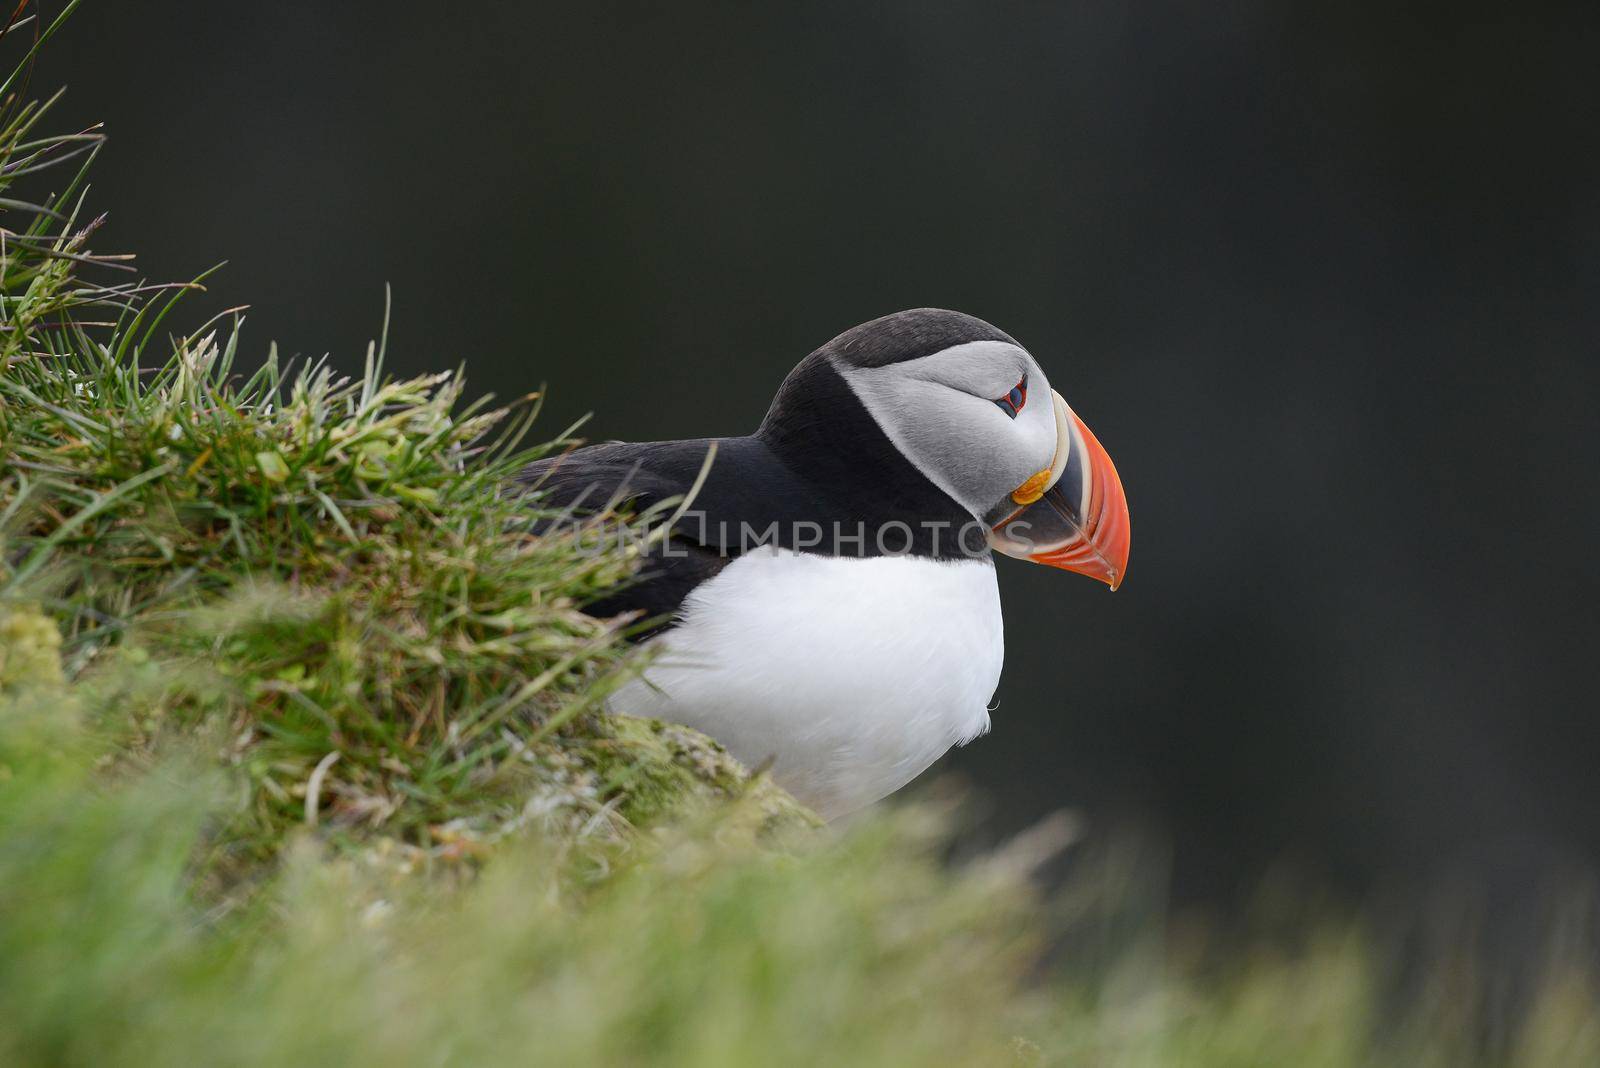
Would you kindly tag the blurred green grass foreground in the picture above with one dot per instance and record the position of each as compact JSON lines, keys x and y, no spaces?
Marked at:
{"x":302,"y":761}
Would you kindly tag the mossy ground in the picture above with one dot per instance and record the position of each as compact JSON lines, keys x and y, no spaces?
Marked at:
{"x":336,"y":577}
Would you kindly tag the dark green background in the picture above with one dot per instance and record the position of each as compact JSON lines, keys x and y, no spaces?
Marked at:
{"x":1324,"y":277}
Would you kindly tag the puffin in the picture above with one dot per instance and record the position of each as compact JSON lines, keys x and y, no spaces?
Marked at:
{"x":823,"y":601}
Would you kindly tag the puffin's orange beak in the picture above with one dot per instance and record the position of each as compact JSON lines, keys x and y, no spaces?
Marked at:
{"x":1074,"y":515}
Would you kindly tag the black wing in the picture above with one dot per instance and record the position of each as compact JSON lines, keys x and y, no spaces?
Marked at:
{"x":643,"y":475}
{"x":752,"y":497}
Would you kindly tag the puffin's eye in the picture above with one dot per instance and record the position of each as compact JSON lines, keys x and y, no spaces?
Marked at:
{"x":1012,"y":402}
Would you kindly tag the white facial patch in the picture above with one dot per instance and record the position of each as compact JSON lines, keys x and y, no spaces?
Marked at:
{"x":940,"y":412}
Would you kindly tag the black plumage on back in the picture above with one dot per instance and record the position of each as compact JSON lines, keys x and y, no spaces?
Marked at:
{"x":819,"y":463}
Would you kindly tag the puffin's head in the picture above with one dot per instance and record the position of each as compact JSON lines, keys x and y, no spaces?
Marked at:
{"x":973,"y":411}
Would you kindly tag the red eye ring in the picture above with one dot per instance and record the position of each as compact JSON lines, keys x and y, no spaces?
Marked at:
{"x":1014,"y":401}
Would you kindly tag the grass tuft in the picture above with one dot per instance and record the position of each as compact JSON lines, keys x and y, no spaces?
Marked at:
{"x":333,"y":578}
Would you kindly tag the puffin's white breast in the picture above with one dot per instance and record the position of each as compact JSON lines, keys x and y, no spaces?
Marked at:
{"x":853,"y":675}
